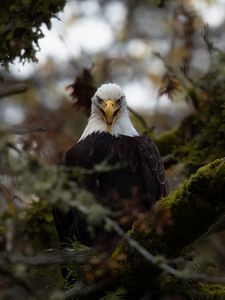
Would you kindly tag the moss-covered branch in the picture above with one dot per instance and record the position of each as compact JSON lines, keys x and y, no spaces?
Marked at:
{"x":192,"y":290}
{"x":194,"y":207}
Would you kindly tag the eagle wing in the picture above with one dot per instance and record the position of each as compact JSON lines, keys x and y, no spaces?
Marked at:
{"x":70,"y":225}
{"x":70,"y":157}
{"x":152,"y":169}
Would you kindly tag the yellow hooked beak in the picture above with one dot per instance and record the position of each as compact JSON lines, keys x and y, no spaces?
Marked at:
{"x":110,"y":110}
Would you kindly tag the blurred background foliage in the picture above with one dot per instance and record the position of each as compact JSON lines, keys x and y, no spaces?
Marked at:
{"x":20,"y":29}
{"x":169,"y":58}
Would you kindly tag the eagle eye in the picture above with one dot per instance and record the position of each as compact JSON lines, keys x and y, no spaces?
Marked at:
{"x":100,"y":100}
{"x":119,"y":100}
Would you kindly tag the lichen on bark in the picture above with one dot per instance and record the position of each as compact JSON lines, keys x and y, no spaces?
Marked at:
{"x":191,"y":290}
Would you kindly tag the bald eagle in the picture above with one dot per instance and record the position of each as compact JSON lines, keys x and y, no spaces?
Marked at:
{"x":128,"y":190}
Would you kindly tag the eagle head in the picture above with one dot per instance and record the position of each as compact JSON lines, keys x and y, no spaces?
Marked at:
{"x":109,"y":113}
{"x":109,"y":102}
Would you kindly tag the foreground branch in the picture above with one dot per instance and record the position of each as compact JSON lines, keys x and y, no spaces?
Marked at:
{"x":158,"y":261}
{"x":51,"y":259}
{"x":80,"y":289}
{"x":19,"y":130}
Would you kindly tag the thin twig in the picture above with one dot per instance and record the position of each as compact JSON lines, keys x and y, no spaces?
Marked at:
{"x":79,"y":289}
{"x":19,"y":130}
{"x":51,"y":259}
{"x":205,"y":35}
{"x":24,"y":129}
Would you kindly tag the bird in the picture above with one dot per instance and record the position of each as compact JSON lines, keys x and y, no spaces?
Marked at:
{"x":137,"y":177}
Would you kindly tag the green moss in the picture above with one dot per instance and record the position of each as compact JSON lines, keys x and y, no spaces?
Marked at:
{"x":195,"y":206}
{"x":191,"y":290}
{"x":208,"y":291}
{"x":170,"y":285}
{"x":118,"y":251}
{"x":38,"y":225}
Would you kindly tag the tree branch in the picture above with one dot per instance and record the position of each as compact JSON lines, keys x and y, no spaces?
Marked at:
{"x":79,"y":289}
{"x":53,"y":259}
{"x":158,"y":261}
{"x":19,"y":130}
{"x":24,"y":129}
{"x":8,"y":90}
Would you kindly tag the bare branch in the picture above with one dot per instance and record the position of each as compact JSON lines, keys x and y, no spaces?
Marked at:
{"x":24,"y":129}
{"x":63,"y":257}
{"x":7,"y":90}
{"x":79,"y":289}
{"x":19,"y":130}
